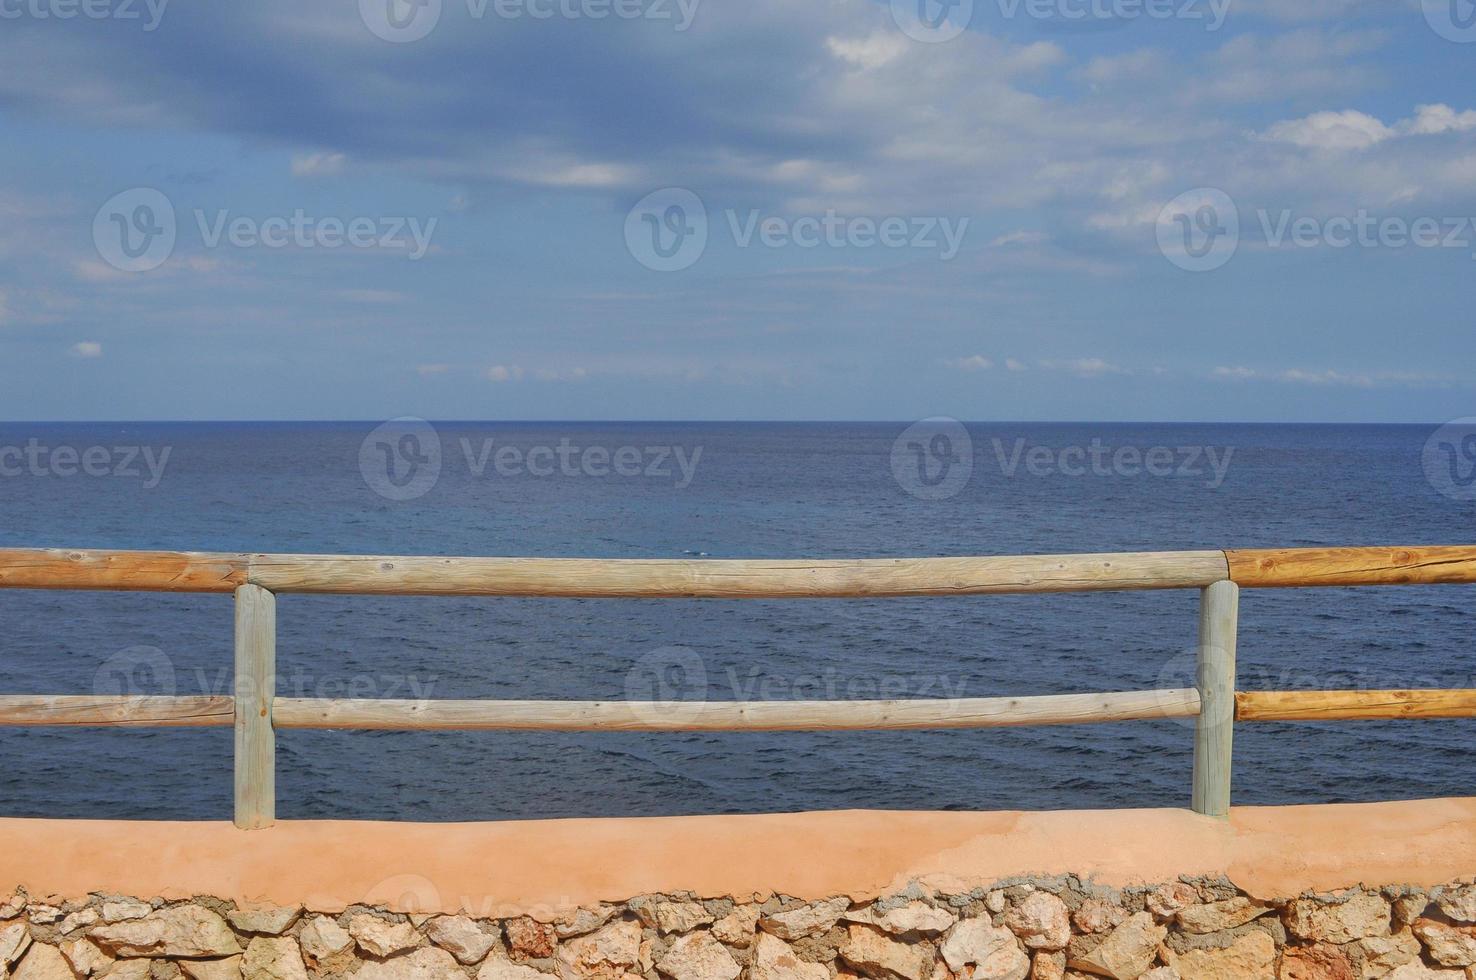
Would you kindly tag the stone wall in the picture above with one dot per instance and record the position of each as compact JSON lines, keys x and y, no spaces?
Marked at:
{"x":1036,"y":928}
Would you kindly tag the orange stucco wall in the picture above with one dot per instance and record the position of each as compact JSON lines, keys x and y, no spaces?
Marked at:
{"x":542,"y":867}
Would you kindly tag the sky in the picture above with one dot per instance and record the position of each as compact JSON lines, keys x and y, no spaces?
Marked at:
{"x":1259,"y":210}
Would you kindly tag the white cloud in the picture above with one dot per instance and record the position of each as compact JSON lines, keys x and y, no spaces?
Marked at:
{"x":430,"y":370}
{"x":847,"y":113}
{"x":1439,"y":118}
{"x":791,"y":171}
{"x":592,"y":175}
{"x":86,"y":348}
{"x":974,"y":362}
{"x":1084,"y":367}
{"x":1133,"y":216}
{"x":1346,"y":130}
{"x":1354,"y":130}
{"x":569,"y":374}
{"x":94,"y":270}
{"x":202,"y":264}
{"x":193,"y":267}
{"x":504,"y":372}
{"x":317,"y":164}
{"x":514,"y":372}
{"x":1013,"y":365}
{"x":1035,"y":57}
{"x":1112,"y":69}
{"x":1300,"y":63}
{"x":531,"y":161}
{"x":1326,"y":377}
{"x":873,"y":51}
{"x":1019,"y":238}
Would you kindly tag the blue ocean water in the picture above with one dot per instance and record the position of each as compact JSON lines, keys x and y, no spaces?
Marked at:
{"x":751,"y":490}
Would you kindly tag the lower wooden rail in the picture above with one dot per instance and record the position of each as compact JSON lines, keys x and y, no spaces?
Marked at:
{"x":150,"y":711}
{"x":720,"y":716}
{"x":120,"y":711}
{"x":612,"y":716}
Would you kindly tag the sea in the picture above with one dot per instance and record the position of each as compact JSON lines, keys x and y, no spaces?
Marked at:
{"x":728,"y":490}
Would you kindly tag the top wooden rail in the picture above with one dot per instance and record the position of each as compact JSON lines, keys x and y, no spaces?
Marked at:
{"x":177,"y":571}
{"x":1306,"y":567}
{"x":605,"y":578}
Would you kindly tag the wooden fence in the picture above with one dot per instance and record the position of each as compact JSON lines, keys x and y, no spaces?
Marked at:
{"x":257,"y":713}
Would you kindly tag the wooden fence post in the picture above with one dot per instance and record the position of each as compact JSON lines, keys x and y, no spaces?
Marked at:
{"x":1215,"y":678}
{"x":255,"y":686}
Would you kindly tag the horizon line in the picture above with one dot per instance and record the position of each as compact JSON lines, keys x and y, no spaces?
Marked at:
{"x":711,"y":421}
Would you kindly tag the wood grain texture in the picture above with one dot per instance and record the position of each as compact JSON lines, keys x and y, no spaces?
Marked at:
{"x":757,"y":716}
{"x":255,"y":690}
{"x":608,"y":578}
{"x":1354,"y":705}
{"x":119,"y":711}
{"x":739,"y":578}
{"x":146,"y":571}
{"x":1214,"y":729}
{"x":1300,"y":567}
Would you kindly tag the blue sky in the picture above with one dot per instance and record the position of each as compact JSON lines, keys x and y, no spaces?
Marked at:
{"x":1023,"y":213}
